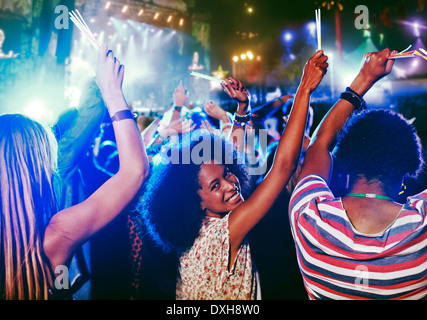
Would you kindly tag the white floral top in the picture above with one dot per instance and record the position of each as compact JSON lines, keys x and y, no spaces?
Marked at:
{"x":203,"y":270}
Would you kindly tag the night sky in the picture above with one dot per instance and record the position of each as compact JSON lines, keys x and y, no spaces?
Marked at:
{"x":271,"y":17}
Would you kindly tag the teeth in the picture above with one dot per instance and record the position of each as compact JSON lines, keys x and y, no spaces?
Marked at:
{"x":234,"y":197}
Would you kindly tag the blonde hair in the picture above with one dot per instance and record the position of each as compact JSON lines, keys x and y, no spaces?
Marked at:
{"x":27,"y":165}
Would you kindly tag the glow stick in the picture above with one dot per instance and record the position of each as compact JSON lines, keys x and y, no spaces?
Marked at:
{"x":419,"y":54}
{"x":83,"y":27}
{"x":318,"y":29}
{"x":405,"y":49}
{"x":409,"y":54}
{"x":83,"y":31}
{"x":423,"y":51}
{"x":82,"y":20}
{"x":204,"y":76}
{"x":401,"y":56}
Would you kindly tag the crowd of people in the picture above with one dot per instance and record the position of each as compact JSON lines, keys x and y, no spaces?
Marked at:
{"x":213,"y":205}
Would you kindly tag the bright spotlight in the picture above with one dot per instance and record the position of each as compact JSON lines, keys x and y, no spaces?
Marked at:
{"x":243,"y":56}
{"x":250,"y":55}
{"x":156,"y":16}
{"x":140,"y":12}
{"x":125,"y":8}
{"x":416,"y":29}
{"x":235,"y":58}
{"x":288,"y":36}
{"x":181,"y":21}
{"x":169,"y":19}
{"x":311,"y":26}
{"x":108,"y":4}
{"x":36,"y":110}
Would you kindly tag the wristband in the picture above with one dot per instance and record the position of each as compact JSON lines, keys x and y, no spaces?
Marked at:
{"x":352,"y":97}
{"x":246,"y":118}
{"x":239,"y":124}
{"x":122,"y":115}
{"x":348,"y":89}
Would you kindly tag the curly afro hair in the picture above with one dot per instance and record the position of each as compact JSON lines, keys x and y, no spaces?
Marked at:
{"x":379,"y":145}
{"x":170,"y":205}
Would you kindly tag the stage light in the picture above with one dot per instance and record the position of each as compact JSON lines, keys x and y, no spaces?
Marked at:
{"x":156,"y":16}
{"x":243,"y":56}
{"x":140,"y":12}
{"x":311,"y":26}
{"x":92,"y":20}
{"x":250,"y":10}
{"x":107,"y":5}
{"x":125,"y":8}
{"x":288,"y":37}
{"x":181,"y":21}
{"x":235,"y":58}
{"x":258,"y":58}
{"x":250,"y":55}
{"x":416,"y":29}
{"x":169,"y":19}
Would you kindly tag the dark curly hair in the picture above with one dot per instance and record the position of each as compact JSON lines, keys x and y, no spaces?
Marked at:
{"x":170,"y":205}
{"x":379,"y":145}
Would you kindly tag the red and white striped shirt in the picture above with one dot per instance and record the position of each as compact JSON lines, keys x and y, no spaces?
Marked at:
{"x":338,"y":262}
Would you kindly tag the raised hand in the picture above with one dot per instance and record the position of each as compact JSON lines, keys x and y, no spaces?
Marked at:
{"x":181,"y":125}
{"x":215,"y":111}
{"x":109,"y":77}
{"x":314,"y":71}
{"x":376,"y":65}
{"x":180,"y":97}
{"x":237,"y":91}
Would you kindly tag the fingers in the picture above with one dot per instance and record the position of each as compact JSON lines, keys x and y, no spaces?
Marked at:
{"x":318,"y":54}
{"x":121,"y":72}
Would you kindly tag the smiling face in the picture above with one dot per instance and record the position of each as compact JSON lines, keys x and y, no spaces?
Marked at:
{"x":219,"y":190}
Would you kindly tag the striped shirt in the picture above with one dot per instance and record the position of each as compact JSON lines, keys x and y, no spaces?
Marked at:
{"x":338,"y":262}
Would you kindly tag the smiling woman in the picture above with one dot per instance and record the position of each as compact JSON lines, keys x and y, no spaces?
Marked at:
{"x":199,"y":209}
{"x":177,"y":195}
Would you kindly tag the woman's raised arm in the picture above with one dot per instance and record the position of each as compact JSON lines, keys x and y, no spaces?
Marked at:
{"x":247,"y":215}
{"x":73,"y":226}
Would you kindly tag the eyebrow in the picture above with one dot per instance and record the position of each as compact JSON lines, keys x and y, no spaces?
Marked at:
{"x":216,"y":180}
